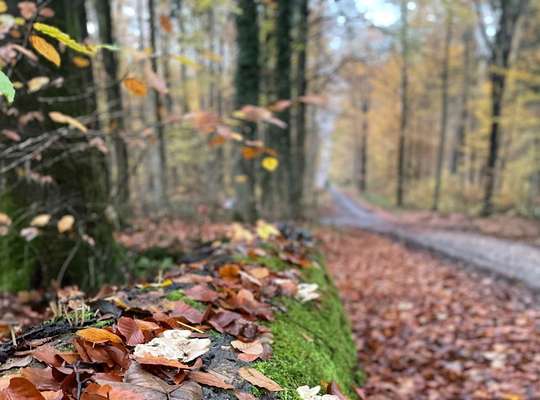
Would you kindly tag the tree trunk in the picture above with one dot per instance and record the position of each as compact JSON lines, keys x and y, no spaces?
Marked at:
{"x":115,"y":106}
{"x":404,"y":103}
{"x":247,"y":80}
{"x":299,"y":155}
{"x":364,"y":144}
{"x":158,"y":104}
{"x":444,"y":109}
{"x":457,"y":154}
{"x":510,"y":12}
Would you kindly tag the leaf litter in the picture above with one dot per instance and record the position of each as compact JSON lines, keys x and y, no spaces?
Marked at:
{"x":137,"y":343}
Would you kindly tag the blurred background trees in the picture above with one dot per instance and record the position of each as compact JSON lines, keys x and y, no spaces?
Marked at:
{"x":236,"y":109}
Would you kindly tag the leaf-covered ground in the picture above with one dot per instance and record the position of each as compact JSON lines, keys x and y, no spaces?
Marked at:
{"x":250,"y":314}
{"x":427,"y":329}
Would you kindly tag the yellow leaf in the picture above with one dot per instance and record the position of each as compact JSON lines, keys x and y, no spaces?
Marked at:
{"x":80,"y":62}
{"x":66,"y":119}
{"x":270,"y":163}
{"x":97,"y":335}
{"x":135,"y":86}
{"x":40,"y":220}
{"x":186,"y":61}
{"x":64,"y":38}
{"x":66,"y":223}
{"x":46,"y":49}
{"x":3,"y":7}
{"x":240,"y":178}
{"x":37,"y":83}
{"x":266,"y":230}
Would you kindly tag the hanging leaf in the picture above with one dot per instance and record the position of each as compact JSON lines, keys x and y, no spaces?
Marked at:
{"x":165,"y":23}
{"x":3,"y":7}
{"x":64,"y":38}
{"x":37,"y":83}
{"x":66,"y":223}
{"x":11,"y":135}
{"x":6,"y":87}
{"x":27,"y":9}
{"x":186,"y":61}
{"x":66,"y":119}
{"x":40,"y":220}
{"x":46,"y":49}
{"x":135,"y":86}
{"x":80,"y":62}
{"x":270,"y":163}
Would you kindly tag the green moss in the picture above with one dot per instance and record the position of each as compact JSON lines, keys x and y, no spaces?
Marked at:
{"x":273,"y":263}
{"x":179,"y":295}
{"x":313,"y":342}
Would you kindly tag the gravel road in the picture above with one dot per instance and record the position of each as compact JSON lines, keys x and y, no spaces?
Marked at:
{"x":506,"y":258}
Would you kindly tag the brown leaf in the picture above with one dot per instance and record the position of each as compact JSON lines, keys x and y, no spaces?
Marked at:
{"x":229,"y":271}
{"x":131,"y":331}
{"x":187,"y":312}
{"x":165,"y":23}
{"x":258,"y":379}
{"x":252,"y":348}
{"x":335,"y":390}
{"x":164,"y":362}
{"x":97,"y":335}
{"x":42,"y":378}
{"x":210,"y":378}
{"x":244,"y":396}
{"x":21,"y":389}
{"x":202,"y":293}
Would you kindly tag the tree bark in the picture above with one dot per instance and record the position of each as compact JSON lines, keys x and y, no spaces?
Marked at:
{"x":510,"y":12}
{"x":404,"y":104}
{"x":299,"y":155}
{"x":158,"y":104}
{"x":247,"y":80}
{"x":115,"y":106}
{"x":444,"y":109}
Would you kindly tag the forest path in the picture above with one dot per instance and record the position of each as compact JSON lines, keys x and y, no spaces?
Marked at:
{"x":504,"y":257}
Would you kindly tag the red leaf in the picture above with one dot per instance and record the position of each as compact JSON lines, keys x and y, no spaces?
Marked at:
{"x":131,"y":331}
{"x":21,"y":389}
{"x":210,"y":378}
{"x":187,"y":312}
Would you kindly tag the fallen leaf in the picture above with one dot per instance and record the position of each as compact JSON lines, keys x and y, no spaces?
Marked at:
{"x":97,"y":335}
{"x":244,"y":396}
{"x":252,"y":348}
{"x":174,"y":344}
{"x":210,"y":378}
{"x":21,"y":389}
{"x":131,"y":331}
{"x":258,"y":379}
{"x":202,"y":293}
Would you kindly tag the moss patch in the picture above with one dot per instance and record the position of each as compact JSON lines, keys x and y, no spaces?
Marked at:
{"x":313,"y":342}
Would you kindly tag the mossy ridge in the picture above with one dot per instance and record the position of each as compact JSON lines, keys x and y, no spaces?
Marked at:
{"x":313,"y":342}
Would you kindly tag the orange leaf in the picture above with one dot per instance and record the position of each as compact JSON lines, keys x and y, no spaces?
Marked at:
{"x":229,"y":271}
{"x":135,"y":86}
{"x":96,"y":335}
{"x":21,"y":389}
{"x":46,"y":49}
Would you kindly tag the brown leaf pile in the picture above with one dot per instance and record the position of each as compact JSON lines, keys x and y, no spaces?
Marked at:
{"x":427,"y":329}
{"x":151,"y":347}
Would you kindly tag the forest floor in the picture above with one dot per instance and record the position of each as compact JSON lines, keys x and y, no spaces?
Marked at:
{"x":430,"y":329}
{"x":512,"y":259}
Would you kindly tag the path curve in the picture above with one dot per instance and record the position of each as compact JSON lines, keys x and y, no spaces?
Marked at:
{"x":504,"y":257}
